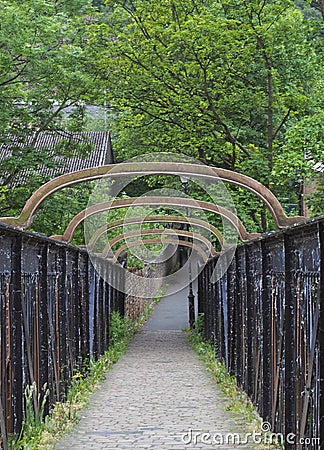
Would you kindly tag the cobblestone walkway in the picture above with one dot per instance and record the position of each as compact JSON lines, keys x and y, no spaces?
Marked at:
{"x":152,"y":398}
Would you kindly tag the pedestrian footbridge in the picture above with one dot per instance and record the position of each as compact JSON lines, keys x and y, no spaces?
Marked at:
{"x":260,"y":295}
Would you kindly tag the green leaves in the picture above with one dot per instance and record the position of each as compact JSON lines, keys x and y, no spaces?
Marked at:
{"x":42,"y":65}
{"x":221,"y":81}
{"x":235,"y":84}
{"x":302,"y":157}
{"x":45,"y":74}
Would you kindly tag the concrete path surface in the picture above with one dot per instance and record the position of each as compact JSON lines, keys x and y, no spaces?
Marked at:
{"x":157,"y":396}
{"x":170,"y":313}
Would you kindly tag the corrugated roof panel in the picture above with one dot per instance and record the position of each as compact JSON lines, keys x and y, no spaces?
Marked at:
{"x":100,"y":155}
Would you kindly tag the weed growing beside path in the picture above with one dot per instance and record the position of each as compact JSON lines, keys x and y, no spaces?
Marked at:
{"x":41,"y":434}
{"x":237,"y":400}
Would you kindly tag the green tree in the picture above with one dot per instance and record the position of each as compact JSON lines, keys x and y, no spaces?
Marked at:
{"x":46,"y":78}
{"x":221,"y":81}
{"x":319,"y":6}
{"x":43,"y":66}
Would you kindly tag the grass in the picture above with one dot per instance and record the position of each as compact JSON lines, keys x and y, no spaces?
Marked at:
{"x":39,"y":433}
{"x":237,"y":400}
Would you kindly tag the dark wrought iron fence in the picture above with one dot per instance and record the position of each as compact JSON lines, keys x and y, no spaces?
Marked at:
{"x":54,"y":316}
{"x":265,"y":318}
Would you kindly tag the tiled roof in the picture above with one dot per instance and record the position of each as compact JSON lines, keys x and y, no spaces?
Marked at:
{"x":100,"y":152}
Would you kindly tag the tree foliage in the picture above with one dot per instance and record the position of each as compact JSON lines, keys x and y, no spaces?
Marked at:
{"x":235,"y":83}
{"x":224,"y":81}
{"x":42,"y":68}
{"x":46,"y":78}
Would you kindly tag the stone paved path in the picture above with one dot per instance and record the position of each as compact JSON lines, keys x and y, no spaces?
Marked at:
{"x":155,"y":394}
{"x":152,"y":398}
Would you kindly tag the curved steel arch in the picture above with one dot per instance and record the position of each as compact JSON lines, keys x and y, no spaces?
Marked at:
{"x":158,"y":201}
{"x":149,"y":219}
{"x":156,"y":231}
{"x":180,"y":242}
{"x":152,"y":168}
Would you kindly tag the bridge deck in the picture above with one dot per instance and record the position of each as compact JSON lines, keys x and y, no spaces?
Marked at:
{"x":155,"y":394}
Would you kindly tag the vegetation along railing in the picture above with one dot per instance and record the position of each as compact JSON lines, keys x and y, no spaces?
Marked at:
{"x":265,"y":317}
{"x":54,"y":317}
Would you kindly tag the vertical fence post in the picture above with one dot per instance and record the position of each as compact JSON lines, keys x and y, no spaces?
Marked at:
{"x":238,"y":332}
{"x":83,"y":296}
{"x":4,"y":341}
{"x":219,"y":324}
{"x":232,"y":325}
{"x":242,"y":288}
{"x":289,"y":345}
{"x":212,"y":303}
{"x":61,"y":299}
{"x":206,"y":301}
{"x":100,"y":327}
{"x":75,"y":309}
{"x":200,"y":294}
{"x":16,"y":353}
{"x":321,"y":332}
{"x":92,"y":309}
{"x":250,"y":337}
{"x":95,"y":316}
{"x":239,"y":344}
{"x":266,"y":407}
{"x":113,"y":290}
{"x":106,"y":310}
{"x":43,"y":322}
{"x":204,"y":297}
{"x":121,"y":292}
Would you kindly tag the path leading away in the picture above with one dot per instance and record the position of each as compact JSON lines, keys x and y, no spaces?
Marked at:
{"x":157,"y":396}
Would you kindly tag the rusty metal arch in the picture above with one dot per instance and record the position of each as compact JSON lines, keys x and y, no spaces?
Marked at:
{"x":180,"y":242}
{"x":158,"y":201}
{"x":151,"y":168}
{"x":156,"y":231}
{"x":149,"y":219}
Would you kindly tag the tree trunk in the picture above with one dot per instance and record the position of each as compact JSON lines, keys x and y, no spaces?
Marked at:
{"x":268,"y":67}
{"x":270,"y":118}
{"x":321,"y":5}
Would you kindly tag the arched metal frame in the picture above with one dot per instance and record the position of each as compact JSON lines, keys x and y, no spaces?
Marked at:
{"x":149,"y":219}
{"x":166,"y":240}
{"x":156,"y":231}
{"x":151,"y":168}
{"x":158,"y":201}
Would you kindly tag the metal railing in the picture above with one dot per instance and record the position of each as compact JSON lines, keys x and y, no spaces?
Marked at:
{"x":265,"y":317}
{"x":54,"y":317}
